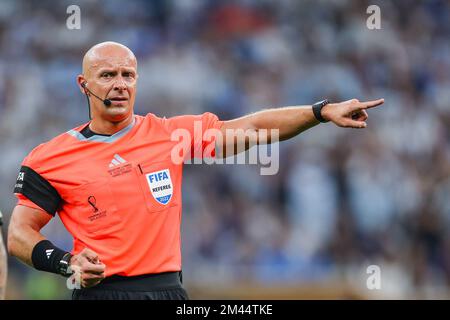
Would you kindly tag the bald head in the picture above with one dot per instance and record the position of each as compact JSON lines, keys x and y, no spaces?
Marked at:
{"x":107,"y":53}
{"x":109,"y":72}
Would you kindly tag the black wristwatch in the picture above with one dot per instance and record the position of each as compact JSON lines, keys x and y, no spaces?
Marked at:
{"x":317,"y":109}
{"x":64,"y":265}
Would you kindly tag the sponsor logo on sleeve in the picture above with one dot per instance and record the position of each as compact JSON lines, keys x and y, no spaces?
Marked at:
{"x":20,"y":180}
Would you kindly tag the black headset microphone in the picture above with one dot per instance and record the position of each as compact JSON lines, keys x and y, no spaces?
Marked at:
{"x":106,"y":102}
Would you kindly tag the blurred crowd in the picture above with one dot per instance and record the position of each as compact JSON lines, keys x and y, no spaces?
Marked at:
{"x":342,"y":200}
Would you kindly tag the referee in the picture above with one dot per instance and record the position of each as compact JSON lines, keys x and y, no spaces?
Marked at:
{"x":116,"y":188}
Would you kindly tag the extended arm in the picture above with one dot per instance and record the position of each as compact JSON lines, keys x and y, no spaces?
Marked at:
{"x":290,"y":121}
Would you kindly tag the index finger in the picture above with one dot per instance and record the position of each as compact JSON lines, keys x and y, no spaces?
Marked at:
{"x":371,"y":104}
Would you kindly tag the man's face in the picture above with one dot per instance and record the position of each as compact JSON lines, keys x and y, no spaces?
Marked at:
{"x":110,"y":72}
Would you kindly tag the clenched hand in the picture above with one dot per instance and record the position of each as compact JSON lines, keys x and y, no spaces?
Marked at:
{"x":89,"y":268}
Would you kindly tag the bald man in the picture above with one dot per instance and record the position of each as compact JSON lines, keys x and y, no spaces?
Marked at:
{"x":117,"y":189}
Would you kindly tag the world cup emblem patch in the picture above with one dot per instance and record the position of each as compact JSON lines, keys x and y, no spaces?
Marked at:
{"x":160,"y":185}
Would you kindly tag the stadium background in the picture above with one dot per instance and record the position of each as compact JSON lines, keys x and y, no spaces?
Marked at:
{"x":343,"y":199}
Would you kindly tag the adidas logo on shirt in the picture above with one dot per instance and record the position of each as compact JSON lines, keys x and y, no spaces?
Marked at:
{"x":116,"y":161}
{"x":118,"y":166}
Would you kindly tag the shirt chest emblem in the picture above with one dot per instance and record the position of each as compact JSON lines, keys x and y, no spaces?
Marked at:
{"x":160,"y":185}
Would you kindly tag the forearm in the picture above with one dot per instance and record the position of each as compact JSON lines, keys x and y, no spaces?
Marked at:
{"x":266,"y":126}
{"x":289,"y":121}
{"x":3,"y":268}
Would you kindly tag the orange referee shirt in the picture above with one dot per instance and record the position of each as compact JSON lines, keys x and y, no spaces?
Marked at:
{"x":118,"y":195}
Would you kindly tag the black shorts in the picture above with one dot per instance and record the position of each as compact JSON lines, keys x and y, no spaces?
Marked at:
{"x":163,"y":286}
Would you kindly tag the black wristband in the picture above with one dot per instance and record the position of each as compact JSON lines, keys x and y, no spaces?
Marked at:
{"x":47,"y":257}
{"x":317,"y":110}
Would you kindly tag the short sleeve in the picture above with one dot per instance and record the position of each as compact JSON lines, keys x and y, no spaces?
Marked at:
{"x":201,"y":129}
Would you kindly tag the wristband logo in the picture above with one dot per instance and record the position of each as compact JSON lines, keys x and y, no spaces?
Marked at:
{"x":49,"y":252}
